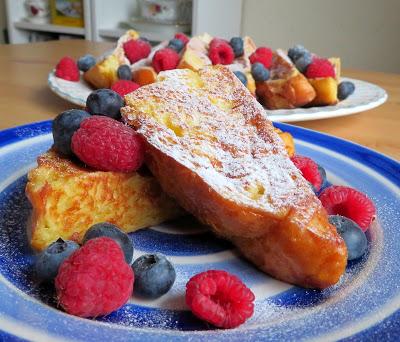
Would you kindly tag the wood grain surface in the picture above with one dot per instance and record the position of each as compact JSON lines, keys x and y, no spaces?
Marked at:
{"x":25,"y":96}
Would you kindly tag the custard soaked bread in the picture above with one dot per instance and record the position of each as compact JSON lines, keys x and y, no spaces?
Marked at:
{"x":67,"y":199}
{"x":211,"y":147}
{"x":287,"y":88}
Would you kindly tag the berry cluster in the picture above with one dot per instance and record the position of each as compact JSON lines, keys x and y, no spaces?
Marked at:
{"x":96,"y":137}
{"x":351,"y":211}
{"x":99,"y":277}
{"x":315,"y":67}
{"x":261,"y":62}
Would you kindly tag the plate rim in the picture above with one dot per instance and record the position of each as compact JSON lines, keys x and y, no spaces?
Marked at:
{"x":18,"y":133}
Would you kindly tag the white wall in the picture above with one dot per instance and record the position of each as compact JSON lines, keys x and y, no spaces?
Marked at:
{"x":3,"y":22}
{"x":364,"y":33}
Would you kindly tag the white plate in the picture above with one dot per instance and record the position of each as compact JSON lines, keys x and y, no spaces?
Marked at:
{"x":365,"y":97}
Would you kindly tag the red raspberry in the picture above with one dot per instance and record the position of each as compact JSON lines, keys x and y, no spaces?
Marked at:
{"x":136,"y":49}
{"x":220,"y":52}
{"x":219,"y":298}
{"x":309,"y":170}
{"x":67,"y":69}
{"x":182,"y":37}
{"x":262,"y":55}
{"x":95,"y":280}
{"x":124,"y":87}
{"x":348,"y":202}
{"x":320,"y":67}
{"x":165,"y":59}
{"x":108,"y":145}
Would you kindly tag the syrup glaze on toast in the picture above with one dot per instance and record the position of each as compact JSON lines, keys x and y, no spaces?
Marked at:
{"x":212,"y":149}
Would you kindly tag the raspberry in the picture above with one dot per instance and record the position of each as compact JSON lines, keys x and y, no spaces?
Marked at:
{"x":165,"y":59}
{"x":182,"y":37}
{"x":108,"y":145}
{"x":309,"y":170}
{"x":67,"y":69}
{"x":320,"y":67}
{"x":219,"y":298}
{"x":95,"y":280}
{"x":262,"y":55}
{"x":124,"y":87}
{"x":348,"y":202}
{"x":220,"y":52}
{"x":136,"y":49}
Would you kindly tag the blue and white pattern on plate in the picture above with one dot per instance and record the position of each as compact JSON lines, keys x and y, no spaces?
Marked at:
{"x":366,"y":96}
{"x":364,"y":305}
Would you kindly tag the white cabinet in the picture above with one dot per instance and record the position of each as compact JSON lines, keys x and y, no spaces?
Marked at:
{"x":108,"y":19}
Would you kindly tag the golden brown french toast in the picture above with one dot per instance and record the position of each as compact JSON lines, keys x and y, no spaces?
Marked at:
{"x":67,"y":199}
{"x":211,"y":147}
{"x":104,"y":73}
{"x":287,"y":87}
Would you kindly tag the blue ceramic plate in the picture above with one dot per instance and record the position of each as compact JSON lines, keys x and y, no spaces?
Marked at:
{"x":364,"y":305}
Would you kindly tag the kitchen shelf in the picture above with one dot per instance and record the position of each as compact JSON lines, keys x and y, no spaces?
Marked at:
{"x":103,"y":19}
{"x":25,"y":25}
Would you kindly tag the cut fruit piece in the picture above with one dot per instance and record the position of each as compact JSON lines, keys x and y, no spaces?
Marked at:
{"x":326,"y":91}
{"x":144,"y":75}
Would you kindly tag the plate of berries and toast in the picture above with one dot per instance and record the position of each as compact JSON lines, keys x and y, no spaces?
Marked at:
{"x":182,"y":213}
{"x":293,"y":85}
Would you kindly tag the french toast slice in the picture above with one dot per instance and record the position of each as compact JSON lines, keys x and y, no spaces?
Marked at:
{"x":287,"y":88}
{"x":195,"y":55}
{"x":68,"y":198}
{"x":211,"y":148}
{"x":104,"y":73}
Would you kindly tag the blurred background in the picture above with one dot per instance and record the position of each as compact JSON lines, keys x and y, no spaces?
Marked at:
{"x":364,"y":33}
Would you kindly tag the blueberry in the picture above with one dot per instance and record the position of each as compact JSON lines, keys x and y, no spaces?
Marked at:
{"x":296,"y":52}
{"x":259,"y":72}
{"x":64,"y":126}
{"x":322,"y":172}
{"x":352,"y":235}
{"x":48,"y":262}
{"x":303,"y":62}
{"x":105,"y":102}
{"x":176,"y":44}
{"x":345,"y":89}
{"x":124,"y":72}
{"x":86,"y":62}
{"x":237,"y":45}
{"x":113,"y":232}
{"x":154,"y":275}
{"x":241,"y":76}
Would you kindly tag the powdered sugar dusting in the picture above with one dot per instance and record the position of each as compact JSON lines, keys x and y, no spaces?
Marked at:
{"x":211,"y":123}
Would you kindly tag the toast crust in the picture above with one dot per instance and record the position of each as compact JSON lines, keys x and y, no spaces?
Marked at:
{"x":212,"y":149}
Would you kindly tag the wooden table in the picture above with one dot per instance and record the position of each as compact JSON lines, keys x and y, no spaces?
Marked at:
{"x":25,"y":96}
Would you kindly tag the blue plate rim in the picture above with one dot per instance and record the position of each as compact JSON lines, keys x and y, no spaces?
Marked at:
{"x":390,"y":166}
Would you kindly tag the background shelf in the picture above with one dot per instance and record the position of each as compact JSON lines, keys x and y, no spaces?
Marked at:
{"x":26,"y":25}
{"x":103,"y":19}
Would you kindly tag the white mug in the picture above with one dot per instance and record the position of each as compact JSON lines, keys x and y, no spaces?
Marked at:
{"x":38,"y":10}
